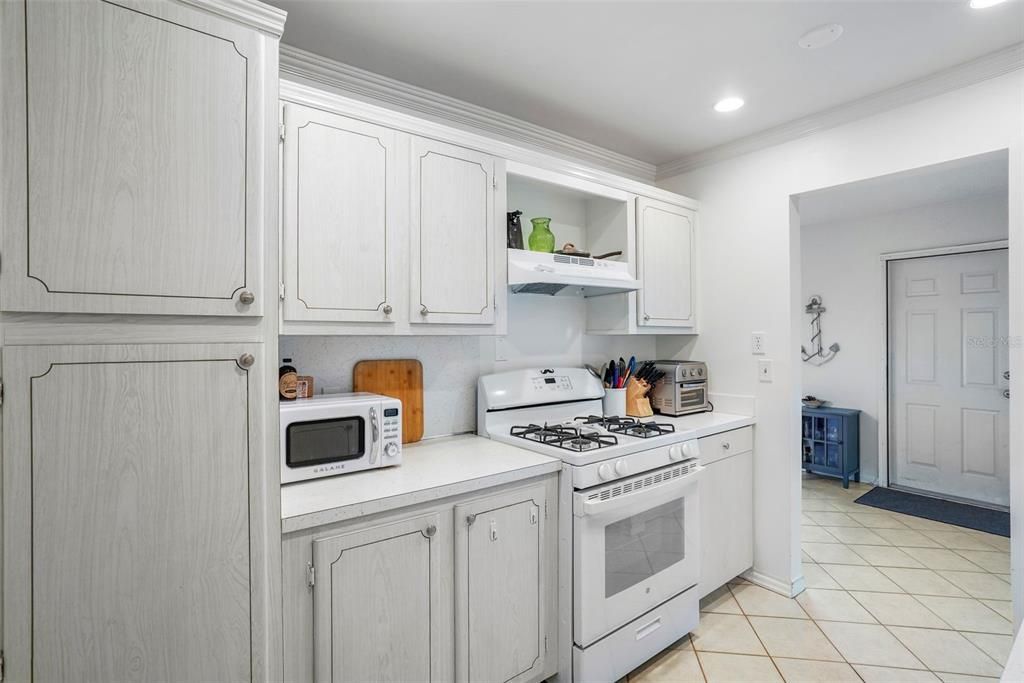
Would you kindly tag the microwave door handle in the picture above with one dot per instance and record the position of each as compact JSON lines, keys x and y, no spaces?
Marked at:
{"x":375,"y":431}
{"x":651,"y":498}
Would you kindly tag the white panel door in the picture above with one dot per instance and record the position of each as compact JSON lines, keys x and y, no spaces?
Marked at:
{"x":948,"y":336}
{"x":500,"y":586}
{"x":132,"y":533}
{"x":143,"y":176}
{"x":381,"y":612}
{"x":665,"y":264}
{"x":453,"y":235}
{"x":341,"y":204}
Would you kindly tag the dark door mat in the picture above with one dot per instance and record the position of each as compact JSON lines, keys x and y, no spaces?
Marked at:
{"x":958,"y":514}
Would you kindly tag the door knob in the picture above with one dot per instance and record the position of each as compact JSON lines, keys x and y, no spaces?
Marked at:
{"x":246,"y":298}
{"x":246,"y":360}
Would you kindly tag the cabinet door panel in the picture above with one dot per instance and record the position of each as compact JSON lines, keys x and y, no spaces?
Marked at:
{"x":500,"y":586}
{"x":341,"y":200}
{"x":726,"y":515}
{"x":665,"y":235}
{"x":452,"y":234}
{"x":143,"y":168}
{"x":131,"y":545}
{"x":379,"y":612}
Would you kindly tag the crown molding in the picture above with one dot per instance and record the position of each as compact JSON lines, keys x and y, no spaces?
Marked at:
{"x":394,"y":94}
{"x":992,"y":65}
{"x":251,"y":13}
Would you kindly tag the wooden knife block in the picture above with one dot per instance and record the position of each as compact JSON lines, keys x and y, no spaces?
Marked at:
{"x":637,"y":403}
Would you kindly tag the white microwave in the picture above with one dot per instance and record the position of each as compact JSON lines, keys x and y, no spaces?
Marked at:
{"x":338,"y":434}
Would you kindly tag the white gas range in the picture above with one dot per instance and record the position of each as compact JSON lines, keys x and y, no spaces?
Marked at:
{"x":635,"y":530}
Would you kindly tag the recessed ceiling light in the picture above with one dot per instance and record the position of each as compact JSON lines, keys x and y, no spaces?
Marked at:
{"x":827,"y":34}
{"x":729,"y":104}
{"x":982,"y":4}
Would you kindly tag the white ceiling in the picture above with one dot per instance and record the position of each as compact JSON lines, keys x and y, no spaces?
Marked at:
{"x":985,"y":174}
{"x":640,"y":77}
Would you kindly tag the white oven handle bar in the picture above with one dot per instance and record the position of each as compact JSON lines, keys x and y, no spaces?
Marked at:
{"x":650,"y":497}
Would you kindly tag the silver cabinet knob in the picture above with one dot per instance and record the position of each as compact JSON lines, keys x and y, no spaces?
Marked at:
{"x":430,"y":531}
{"x":646,"y":317}
{"x":387,"y":309}
{"x":1006,"y":374}
{"x":246,"y":360}
{"x":726,"y":446}
{"x":423,"y":310}
{"x":246,"y":297}
{"x":1006,"y":393}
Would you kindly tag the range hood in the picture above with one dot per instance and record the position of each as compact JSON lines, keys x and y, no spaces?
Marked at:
{"x":533,"y":272}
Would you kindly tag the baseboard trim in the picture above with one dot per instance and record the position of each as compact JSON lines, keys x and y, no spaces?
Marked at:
{"x":790,"y":589}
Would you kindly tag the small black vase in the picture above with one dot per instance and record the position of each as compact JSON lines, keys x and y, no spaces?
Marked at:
{"x":515,"y":230}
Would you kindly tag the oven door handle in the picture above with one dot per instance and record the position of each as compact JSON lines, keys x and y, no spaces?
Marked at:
{"x":651,"y":497}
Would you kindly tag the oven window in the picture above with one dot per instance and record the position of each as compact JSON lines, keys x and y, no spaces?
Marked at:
{"x":640,"y":546}
{"x":320,"y":441}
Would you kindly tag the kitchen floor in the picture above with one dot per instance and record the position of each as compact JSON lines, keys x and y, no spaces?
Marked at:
{"x":890,"y":598}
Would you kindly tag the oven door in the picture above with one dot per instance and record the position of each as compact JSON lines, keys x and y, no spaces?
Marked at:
{"x":691,"y":396}
{"x":636,"y":545}
{"x":321,"y":441}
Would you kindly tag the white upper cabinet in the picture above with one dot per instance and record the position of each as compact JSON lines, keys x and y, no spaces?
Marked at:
{"x":341,"y":202}
{"x":141,"y":186}
{"x":453,"y":234}
{"x":665,"y":263}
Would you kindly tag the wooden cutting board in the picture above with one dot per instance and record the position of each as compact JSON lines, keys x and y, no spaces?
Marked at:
{"x":401,"y":379}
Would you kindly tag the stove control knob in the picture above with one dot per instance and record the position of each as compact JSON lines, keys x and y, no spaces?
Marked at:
{"x":621,"y":468}
{"x":675,"y":452}
{"x":605,"y":471}
{"x":690,"y":449}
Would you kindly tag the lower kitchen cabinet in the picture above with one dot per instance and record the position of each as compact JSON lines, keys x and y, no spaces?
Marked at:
{"x":463,"y":589}
{"x":134,"y":537}
{"x":381,"y":602}
{"x":726,"y":507}
{"x":500,"y":580}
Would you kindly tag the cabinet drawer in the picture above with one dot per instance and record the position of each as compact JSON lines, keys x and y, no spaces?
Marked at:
{"x":719,"y":446}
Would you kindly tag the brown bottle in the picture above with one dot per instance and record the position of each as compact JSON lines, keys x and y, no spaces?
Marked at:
{"x":287,"y":380}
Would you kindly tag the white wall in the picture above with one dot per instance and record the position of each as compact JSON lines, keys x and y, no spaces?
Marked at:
{"x":840,"y":261}
{"x":749,"y":253}
{"x":544,"y":331}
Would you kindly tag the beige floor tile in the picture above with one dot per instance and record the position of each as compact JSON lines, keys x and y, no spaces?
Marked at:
{"x":961,"y":678}
{"x":817,"y":505}
{"x":726,"y":633}
{"x":807,"y":521}
{"x":674,"y":666}
{"x":1004,"y":608}
{"x":855,"y":534}
{"x":946,"y":651}
{"x":869,"y":644}
{"x":1001,"y":543}
{"x":922,"y":524}
{"x":874,"y":520}
{"x":833,"y":606}
{"x":759,"y":601}
{"x":796,"y":638}
{"x":907,"y":538}
{"x":807,"y":671}
{"x":816,"y":577}
{"x":980,"y":585}
{"x":726,"y":668}
{"x":886,"y":556}
{"x":898,"y":610}
{"x":885,"y":674}
{"x":922,"y":582}
{"x":941,"y":558}
{"x":831,"y":518}
{"x":958,"y":540}
{"x":993,"y":561}
{"x":861,"y":578}
{"x":720,"y":601}
{"x":966,"y":614}
{"x":816,"y":534}
{"x":995,"y":646}
{"x":832,"y":553}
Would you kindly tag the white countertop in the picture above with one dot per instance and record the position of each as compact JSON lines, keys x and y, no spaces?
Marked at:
{"x":430,"y":470}
{"x":704,"y":424}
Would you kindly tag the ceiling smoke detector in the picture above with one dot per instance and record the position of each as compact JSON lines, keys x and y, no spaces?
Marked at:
{"x":827,"y":34}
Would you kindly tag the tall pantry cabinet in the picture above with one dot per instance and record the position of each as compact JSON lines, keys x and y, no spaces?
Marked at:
{"x":141,"y":524}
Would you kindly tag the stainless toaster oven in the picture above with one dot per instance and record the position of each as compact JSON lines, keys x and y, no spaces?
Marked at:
{"x":683,"y":389}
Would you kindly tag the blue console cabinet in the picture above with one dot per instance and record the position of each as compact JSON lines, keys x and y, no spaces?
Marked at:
{"x":831,"y":442}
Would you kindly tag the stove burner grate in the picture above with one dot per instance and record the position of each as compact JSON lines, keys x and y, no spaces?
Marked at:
{"x":569,"y":438}
{"x":630,"y":426}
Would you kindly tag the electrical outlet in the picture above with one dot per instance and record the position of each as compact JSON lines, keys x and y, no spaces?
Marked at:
{"x":757,"y":343}
{"x":764,"y":370}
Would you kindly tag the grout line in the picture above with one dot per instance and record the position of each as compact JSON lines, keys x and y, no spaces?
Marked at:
{"x":758,"y":635}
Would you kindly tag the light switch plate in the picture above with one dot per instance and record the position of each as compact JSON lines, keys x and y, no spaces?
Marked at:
{"x":764,"y":370}
{"x":757,"y":341}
